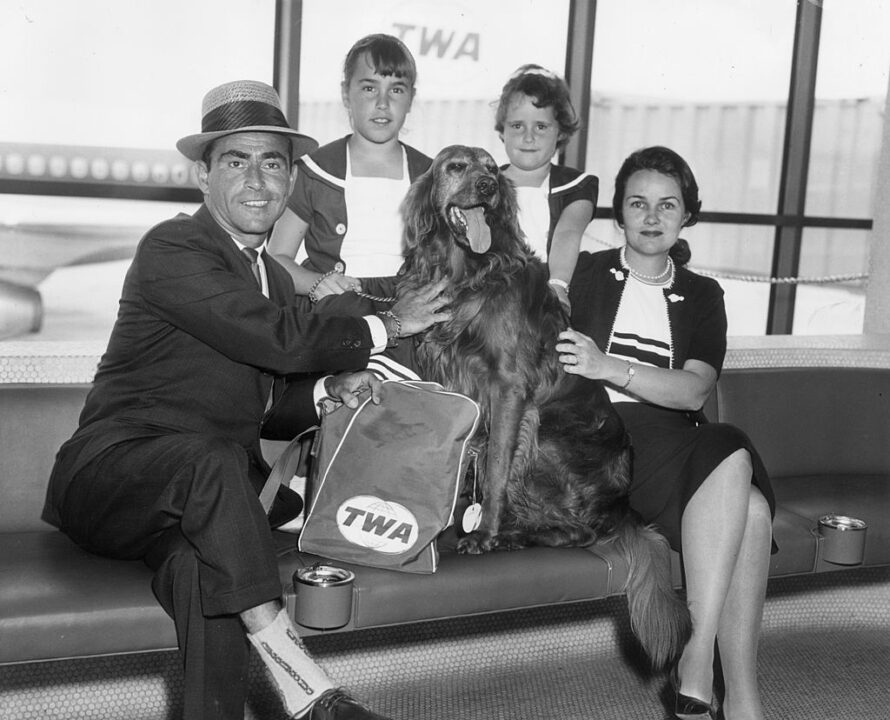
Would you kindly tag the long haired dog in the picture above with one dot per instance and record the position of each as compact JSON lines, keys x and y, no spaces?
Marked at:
{"x":554,"y":464}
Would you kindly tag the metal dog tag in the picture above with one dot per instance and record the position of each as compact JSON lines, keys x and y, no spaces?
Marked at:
{"x":472,"y":517}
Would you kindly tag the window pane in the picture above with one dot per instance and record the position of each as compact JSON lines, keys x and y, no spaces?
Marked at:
{"x":75,"y":251}
{"x":686,"y":74}
{"x":837,"y":262}
{"x":124,"y":73}
{"x":464,"y":52}
{"x":101,"y":90}
{"x":851,"y":87}
{"x":737,"y":256}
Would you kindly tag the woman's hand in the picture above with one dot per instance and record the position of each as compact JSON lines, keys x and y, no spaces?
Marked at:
{"x":681,"y":389}
{"x":579,"y":355}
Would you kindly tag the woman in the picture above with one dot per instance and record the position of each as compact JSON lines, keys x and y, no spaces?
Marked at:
{"x":655,"y":333}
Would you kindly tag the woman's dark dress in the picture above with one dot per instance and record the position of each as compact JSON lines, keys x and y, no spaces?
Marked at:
{"x":673,"y":451}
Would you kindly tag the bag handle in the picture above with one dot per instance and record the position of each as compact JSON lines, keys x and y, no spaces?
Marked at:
{"x":284,"y":468}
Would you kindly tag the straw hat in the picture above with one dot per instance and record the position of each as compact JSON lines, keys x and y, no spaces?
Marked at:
{"x":242,"y":106}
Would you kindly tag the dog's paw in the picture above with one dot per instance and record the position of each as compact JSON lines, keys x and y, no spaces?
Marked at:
{"x":475,"y":543}
{"x":508,"y":541}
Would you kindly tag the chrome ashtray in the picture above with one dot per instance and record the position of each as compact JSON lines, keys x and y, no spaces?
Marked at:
{"x":843,"y":539}
{"x":323,"y":596}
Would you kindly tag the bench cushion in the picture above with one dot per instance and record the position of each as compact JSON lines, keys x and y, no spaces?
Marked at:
{"x":58,"y":601}
{"x":812,"y":421}
{"x":866,"y":497}
{"x":34,"y":422}
{"x":473,"y":584}
{"x":493,"y":582}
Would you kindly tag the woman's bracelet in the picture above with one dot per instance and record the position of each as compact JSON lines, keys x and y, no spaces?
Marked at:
{"x":559,"y":283}
{"x":313,"y":297}
{"x":631,"y":371}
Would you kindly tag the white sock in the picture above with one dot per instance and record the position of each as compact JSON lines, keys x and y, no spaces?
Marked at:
{"x":299,"y":679}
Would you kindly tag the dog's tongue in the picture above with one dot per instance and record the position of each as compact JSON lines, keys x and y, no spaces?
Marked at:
{"x":478,"y":233}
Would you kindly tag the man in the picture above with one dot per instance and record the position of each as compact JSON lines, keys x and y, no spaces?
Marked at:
{"x":165,"y":464}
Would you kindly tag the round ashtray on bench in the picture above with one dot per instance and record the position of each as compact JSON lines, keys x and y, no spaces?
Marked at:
{"x":843,"y":539}
{"x":324,"y":596}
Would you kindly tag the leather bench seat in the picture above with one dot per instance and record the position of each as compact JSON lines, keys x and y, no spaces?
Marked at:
{"x":822,"y":433}
{"x":472,"y":584}
{"x":496,"y":582}
{"x":866,"y":497}
{"x":58,"y":601}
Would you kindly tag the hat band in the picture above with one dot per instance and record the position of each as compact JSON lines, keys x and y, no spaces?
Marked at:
{"x":243,"y":114}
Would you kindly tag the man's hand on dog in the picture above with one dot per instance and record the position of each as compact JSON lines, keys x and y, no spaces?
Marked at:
{"x":418,"y":308}
{"x":346,"y":387}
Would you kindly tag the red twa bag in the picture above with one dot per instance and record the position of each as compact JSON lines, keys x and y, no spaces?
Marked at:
{"x":386,"y":477}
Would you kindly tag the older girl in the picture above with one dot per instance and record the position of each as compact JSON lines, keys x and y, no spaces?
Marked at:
{"x":345,"y":204}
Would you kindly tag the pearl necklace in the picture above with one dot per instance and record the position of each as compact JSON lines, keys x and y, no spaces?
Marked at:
{"x":658,"y":279}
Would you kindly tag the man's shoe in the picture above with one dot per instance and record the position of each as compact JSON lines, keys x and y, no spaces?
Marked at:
{"x":336,"y":704}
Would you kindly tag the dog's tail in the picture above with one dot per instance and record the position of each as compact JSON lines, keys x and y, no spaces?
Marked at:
{"x":659,"y":617}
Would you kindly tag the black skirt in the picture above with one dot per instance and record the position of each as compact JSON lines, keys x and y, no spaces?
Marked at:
{"x":672,"y":456}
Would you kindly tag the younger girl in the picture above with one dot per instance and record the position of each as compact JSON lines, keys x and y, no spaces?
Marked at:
{"x":534,"y":119}
{"x":345,"y":204}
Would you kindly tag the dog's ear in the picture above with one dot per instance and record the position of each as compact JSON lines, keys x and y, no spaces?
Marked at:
{"x":509,"y":205}
{"x":418,"y":211}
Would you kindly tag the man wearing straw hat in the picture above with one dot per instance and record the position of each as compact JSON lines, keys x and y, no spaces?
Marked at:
{"x":165,"y":464}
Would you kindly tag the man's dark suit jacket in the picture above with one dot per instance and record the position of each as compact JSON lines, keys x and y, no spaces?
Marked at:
{"x":196,"y":346}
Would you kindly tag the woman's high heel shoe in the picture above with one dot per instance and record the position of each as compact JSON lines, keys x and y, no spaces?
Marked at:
{"x":687,"y":707}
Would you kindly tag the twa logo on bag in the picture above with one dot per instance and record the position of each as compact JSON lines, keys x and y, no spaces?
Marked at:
{"x":385,"y":478}
{"x":376,"y":524}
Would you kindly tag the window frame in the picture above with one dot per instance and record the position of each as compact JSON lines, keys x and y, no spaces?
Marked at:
{"x":789,"y":220}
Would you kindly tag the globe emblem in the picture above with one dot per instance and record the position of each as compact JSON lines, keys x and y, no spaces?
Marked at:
{"x":376,"y":524}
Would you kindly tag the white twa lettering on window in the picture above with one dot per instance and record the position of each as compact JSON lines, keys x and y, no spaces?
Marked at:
{"x":439,"y":42}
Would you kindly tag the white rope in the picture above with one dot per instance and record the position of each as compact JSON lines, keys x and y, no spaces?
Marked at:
{"x":823,"y":280}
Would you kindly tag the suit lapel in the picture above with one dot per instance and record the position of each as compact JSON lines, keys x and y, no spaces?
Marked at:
{"x":281,"y":292}
{"x":281,"y":288}
{"x":228,"y":247}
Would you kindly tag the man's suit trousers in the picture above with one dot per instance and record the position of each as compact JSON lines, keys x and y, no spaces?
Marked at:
{"x":187,"y":505}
